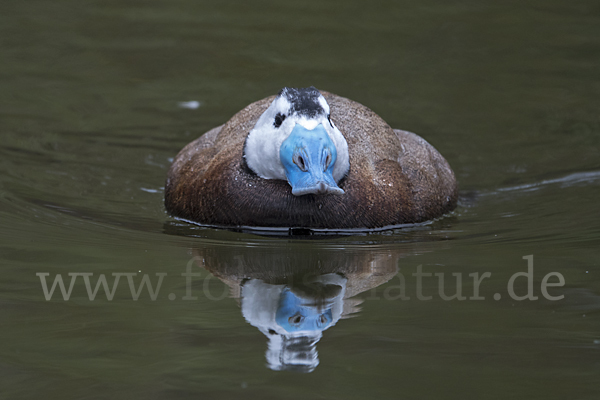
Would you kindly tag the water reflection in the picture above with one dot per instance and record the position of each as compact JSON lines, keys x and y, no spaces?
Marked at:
{"x":293,"y":292}
{"x":293,"y":317}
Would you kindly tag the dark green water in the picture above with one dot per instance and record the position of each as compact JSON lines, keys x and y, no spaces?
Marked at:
{"x":509,"y":92}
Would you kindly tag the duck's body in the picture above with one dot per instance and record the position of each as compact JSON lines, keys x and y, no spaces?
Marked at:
{"x":381,"y":177}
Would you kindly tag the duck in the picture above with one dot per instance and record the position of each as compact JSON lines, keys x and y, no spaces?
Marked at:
{"x":313,"y":160}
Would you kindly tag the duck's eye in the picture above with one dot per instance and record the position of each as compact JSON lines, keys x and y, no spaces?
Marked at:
{"x":296,"y":319}
{"x":329,"y":119}
{"x":299,"y":161}
{"x":322,"y":319}
{"x":279,"y":118}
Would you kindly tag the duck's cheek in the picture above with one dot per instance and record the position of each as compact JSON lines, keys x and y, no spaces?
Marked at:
{"x":308,"y":157}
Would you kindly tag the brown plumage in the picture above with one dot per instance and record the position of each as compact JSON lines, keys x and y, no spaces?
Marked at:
{"x":395,"y":178}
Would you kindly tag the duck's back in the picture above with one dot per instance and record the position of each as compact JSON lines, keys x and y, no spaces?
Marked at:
{"x":395,"y":177}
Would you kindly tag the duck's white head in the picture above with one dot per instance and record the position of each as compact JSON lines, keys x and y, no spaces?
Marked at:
{"x":295,"y":140}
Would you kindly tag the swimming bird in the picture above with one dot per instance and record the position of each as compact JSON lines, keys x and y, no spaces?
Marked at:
{"x":309,"y":159}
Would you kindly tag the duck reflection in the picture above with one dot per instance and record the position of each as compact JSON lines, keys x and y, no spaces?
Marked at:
{"x":293,"y":317}
{"x":293,"y":293}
